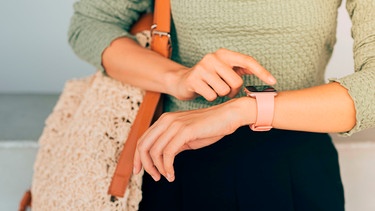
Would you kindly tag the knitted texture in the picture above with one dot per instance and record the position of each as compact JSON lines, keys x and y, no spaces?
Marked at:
{"x":95,"y":24}
{"x":293,"y":39}
{"x":80,"y":145}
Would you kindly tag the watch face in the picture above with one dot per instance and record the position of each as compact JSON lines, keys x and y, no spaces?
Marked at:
{"x":262,"y":88}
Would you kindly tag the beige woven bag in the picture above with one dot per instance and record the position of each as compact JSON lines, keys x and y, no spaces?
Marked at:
{"x":78,"y":165}
{"x":80,"y":145}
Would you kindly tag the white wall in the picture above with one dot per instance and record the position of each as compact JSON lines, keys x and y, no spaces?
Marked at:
{"x":342,"y":62}
{"x":35,"y":56}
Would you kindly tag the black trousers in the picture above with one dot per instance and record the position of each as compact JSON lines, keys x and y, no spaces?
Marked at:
{"x":252,"y":171}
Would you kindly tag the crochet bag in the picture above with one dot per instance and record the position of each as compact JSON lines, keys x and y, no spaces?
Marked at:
{"x":87,"y":147}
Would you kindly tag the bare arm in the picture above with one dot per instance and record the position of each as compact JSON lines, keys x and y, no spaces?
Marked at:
{"x":217,"y":74}
{"x":128,"y":62}
{"x":325,"y":108}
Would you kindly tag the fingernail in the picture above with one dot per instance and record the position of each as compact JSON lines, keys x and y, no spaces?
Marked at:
{"x":271,"y":79}
{"x":170,"y":177}
{"x":156,"y":178}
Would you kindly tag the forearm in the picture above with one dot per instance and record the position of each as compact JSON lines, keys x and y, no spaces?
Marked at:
{"x":126,"y":61}
{"x":325,"y":108}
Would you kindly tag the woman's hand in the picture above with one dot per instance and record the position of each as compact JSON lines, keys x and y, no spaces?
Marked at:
{"x":179,"y":131}
{"x":217,"y":74}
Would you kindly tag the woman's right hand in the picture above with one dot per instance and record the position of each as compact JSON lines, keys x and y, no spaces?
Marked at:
{"x":218,"y":74}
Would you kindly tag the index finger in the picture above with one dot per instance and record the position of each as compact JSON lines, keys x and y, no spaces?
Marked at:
{"x":247,"y":63}
{"x":175,"y":146}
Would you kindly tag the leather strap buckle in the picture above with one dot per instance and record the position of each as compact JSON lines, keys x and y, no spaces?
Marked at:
{"x":154,"y":31}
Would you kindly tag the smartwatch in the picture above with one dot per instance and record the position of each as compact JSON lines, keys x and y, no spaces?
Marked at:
{"x":265,"y":99}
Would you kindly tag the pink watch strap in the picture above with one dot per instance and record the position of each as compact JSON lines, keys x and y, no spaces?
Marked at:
{"x":265,"y":110}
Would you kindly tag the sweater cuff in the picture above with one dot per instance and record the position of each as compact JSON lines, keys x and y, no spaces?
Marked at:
{"x":361,"y":88}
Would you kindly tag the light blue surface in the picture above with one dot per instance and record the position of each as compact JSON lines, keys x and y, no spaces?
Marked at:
{"x":22,"y":119}
{"x":34,"y":51}
{"x":22,"y":116}
{"x":16,"y":166}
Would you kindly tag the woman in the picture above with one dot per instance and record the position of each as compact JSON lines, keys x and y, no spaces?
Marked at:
{"x":219,"y":47}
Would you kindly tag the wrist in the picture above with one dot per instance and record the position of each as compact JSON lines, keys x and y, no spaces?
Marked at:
{"x":172,"y":79}
{"x":245,"y":110}
{"x":177,"y":84}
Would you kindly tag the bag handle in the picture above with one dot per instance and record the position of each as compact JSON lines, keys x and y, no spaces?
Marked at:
{"x":25,"y":201}
{"x":160,"y":43}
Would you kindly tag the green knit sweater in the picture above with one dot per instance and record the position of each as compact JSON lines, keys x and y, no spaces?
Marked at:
{"x":293,"y":39}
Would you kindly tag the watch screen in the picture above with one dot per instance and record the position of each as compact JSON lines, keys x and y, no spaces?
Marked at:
{"x":262,"y":88}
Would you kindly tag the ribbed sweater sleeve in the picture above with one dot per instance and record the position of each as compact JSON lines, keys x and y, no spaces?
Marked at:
{"x":361,"y":84}
{"x":96,"y":23}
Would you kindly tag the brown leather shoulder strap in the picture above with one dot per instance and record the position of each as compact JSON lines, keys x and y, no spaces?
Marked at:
{"x":161,"y":44}
{"x":161,"y":28}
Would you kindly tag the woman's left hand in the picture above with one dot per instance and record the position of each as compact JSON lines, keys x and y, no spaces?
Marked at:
{"x":175,"y":132}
